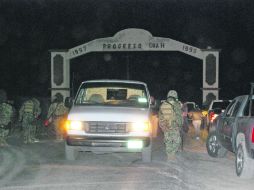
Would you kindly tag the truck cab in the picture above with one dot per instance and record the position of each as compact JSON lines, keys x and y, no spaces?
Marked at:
{"x":110,"y":116}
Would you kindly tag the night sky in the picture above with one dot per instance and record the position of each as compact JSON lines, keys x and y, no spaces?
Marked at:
{"x":30,"y":28}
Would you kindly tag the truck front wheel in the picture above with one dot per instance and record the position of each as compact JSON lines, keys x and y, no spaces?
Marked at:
{"x":213,"y":146}
{"x":244,"y":165}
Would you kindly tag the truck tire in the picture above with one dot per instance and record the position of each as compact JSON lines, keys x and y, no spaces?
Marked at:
{"x":213,"y":146}
{"x":244,"y":165}
{"x":70,"y":152}
{"x":147,"y":154}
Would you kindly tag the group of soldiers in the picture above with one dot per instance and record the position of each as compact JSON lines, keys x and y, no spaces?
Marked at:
{"x":27,"y":116}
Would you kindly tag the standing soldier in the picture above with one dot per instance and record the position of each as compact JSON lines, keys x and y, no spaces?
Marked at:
{"x":171,"y":121}
{"x":56,"y":114}
{"x":6,"y":116}
{"x":28,"y":113}
{"x":37,"y":112}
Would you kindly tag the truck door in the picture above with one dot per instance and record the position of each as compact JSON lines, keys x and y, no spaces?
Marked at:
{"x":228,"y":124}
{"x":224,"y":120}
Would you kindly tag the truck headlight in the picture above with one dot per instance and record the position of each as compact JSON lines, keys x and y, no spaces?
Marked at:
{"x":74,"y":125}
{"x":135,"y":144}
{"x":140,"y":127}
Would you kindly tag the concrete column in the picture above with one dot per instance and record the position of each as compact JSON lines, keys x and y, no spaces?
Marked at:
{"x":210,"y":75}
{"x":60,"y":73}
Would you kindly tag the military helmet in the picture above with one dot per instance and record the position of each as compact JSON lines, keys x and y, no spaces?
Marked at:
{"x":3,"y":95}
{"x":173,"y":94}
{"x":35,"y":101}
{"x":58,"y":97}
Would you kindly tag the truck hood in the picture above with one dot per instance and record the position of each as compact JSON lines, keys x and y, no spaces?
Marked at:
{"x":116,"y":114}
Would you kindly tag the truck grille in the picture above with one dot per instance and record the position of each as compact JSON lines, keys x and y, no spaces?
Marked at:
{"x":106,"y":127}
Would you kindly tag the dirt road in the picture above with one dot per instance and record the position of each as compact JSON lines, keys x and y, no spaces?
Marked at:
{"x":43,"y":166}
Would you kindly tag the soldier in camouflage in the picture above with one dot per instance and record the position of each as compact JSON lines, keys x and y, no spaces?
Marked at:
{"x":171,"y":121}
{"x":28,"y":113}
{"x":6,"y":117}
{"x":37,"y":112}
{"x":56,"y":114}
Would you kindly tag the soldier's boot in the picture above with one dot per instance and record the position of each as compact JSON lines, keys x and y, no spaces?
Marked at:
{"x":1,"y":142}
{"x":171,"y":157}
{"x":5,"y":143}
{"x":30,"y":140}
{"x":59,"y":137}
{"x":26,"y":140}
{"x":35,"y":140}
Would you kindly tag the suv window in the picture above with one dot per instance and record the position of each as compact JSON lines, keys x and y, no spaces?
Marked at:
{"x":190,"y":107}
{"x":247,"y":107}
{"x":230,"y":108}
{"x":236,"y":108}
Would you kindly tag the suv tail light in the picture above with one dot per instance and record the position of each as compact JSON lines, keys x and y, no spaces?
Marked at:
{"x":212,"y":116}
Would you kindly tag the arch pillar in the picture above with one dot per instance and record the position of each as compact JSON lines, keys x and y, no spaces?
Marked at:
{"x":60,"y":73}
{"x":210,"y":75}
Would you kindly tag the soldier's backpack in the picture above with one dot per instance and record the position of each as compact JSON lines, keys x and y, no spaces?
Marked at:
{"x":28,"y":107}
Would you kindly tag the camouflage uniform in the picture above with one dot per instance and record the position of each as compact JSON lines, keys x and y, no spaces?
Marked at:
{"x":6,"y":116}
{"x":37,"y":112}
{"x":56,"y":114}
{"x":28,"y":113}
{"x":171,"y":121}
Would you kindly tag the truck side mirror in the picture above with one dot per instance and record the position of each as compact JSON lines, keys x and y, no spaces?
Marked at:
{"x":68,"y":102}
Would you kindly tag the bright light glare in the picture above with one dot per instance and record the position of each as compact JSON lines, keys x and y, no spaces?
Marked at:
{"x":142,"y":100}
{"x":135,"y":144}
{"x":140,"y":126}
{"x":74,"y":125}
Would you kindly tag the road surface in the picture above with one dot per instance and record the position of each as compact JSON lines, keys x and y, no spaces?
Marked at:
{"x":42,"y":166}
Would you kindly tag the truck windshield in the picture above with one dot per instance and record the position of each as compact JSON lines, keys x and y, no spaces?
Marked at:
{"x":112,"y":94}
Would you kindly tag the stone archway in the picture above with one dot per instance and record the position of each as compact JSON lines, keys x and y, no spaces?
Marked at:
{"x":134,"y":40}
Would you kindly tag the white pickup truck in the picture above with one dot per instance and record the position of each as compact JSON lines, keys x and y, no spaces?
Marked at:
{"x":110,"y":116}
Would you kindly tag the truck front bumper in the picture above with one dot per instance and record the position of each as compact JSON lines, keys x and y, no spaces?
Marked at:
{"x":107,"y":144}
